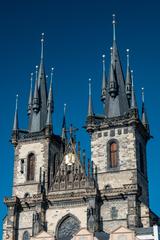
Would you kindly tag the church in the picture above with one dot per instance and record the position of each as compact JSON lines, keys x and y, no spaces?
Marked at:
{"x":58,"y":194}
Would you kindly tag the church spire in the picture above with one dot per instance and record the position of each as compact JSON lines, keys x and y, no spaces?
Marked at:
{"x":63,"y":135}
{"x":90,"y":110}
{"x":36,"y":100}
{"x":116,"y":103}
{"x":144,"y":114}
{"x":128,"y":79}
{"x":104,"y":87}
{"x":133,"y":97}
{"x":50,"y":103}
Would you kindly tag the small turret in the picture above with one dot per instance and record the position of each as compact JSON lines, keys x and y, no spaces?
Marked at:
{"x":36,"y":100}
{"x":104,"y":84}
{"x":30,"y":97}
{"x":128,"y":79}
{"x":64,"y":134}
{"x":50,"y":106}
{"x":144,"y":114}
{"x":133,"y":97}
{"x":112,"y":88}
{"x":15,"y":124}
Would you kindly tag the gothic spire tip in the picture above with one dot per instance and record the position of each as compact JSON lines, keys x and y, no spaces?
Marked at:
{"x":114,"y":26}
{"x":127,"y":50}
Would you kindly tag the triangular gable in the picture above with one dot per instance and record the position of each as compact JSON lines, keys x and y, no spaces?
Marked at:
{"x":84,"y":231}
{"x":122,"y":229}
{"x":42,"y":236}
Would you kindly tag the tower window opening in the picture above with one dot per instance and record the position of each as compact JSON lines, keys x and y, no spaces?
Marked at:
{"x":113,"y":155}
{"x":141,"y":156}
{"x":31,"y":167}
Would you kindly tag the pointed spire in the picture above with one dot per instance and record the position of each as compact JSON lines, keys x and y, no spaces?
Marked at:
{"x":36,"y":94}
{"x":114,"y":26}
{"x":90,"y":110}
{"x":64,"y":136}
{"x":112,"y":79}
{"x":144,"y":114}
{"x":50,"y":102}
{"x":30,"y":96}
{"x":133,"y":97}
{"x":104,"y":87}
{"x":15,"y":124}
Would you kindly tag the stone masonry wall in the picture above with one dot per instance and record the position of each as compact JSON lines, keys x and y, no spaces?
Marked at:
{"x":127,"y":156}
{"x":40,"y":149}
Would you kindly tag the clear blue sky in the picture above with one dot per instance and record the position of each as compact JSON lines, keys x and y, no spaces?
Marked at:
{"x":77,"y":33}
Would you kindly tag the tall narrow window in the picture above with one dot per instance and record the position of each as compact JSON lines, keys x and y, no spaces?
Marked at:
{"x":31,"y":167}
{"x":113,"y":154}
{"x":141,"y":156}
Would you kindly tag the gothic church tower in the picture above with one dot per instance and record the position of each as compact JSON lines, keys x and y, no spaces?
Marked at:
{"x":118,"y":148}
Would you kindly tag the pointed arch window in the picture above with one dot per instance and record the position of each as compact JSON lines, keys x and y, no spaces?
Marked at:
{"x":67,"y":227}
{"x":31,"y":167}
{"x":113,"y":154}
{"x":26,"y":235}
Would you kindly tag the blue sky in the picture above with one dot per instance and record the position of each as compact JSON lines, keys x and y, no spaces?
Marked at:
{"x":77,"y":33}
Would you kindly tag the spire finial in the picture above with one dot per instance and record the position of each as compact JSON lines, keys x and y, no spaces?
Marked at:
{"x":114,"y":26}
{"x":42,"y":46}
{"x":52,"y":70}
{"x":16,"y":102}
{"x":132,"y":78}
{"x":90,"y":111}
{"x":15,"y":124}
{"x":111,"y":53}
{"x":36,"y":72}
{"x":127,"y":50}
{"x":89,"y":83}
{"x":142,"y":94}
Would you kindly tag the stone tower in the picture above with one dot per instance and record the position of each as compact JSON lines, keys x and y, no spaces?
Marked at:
{"x":56,"y":191}
{"x":118,"y":148}
{"x":54,"y":188}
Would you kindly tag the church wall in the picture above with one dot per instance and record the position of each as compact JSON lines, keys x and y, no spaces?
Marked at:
{"x":111,"y":220}
{"x":54,"y":215}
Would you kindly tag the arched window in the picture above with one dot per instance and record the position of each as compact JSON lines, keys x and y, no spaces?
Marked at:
{"x":26,"y":235}
{"x":113,"y":154}
{"x":31,"y":167}
{"x":67,"y":227}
